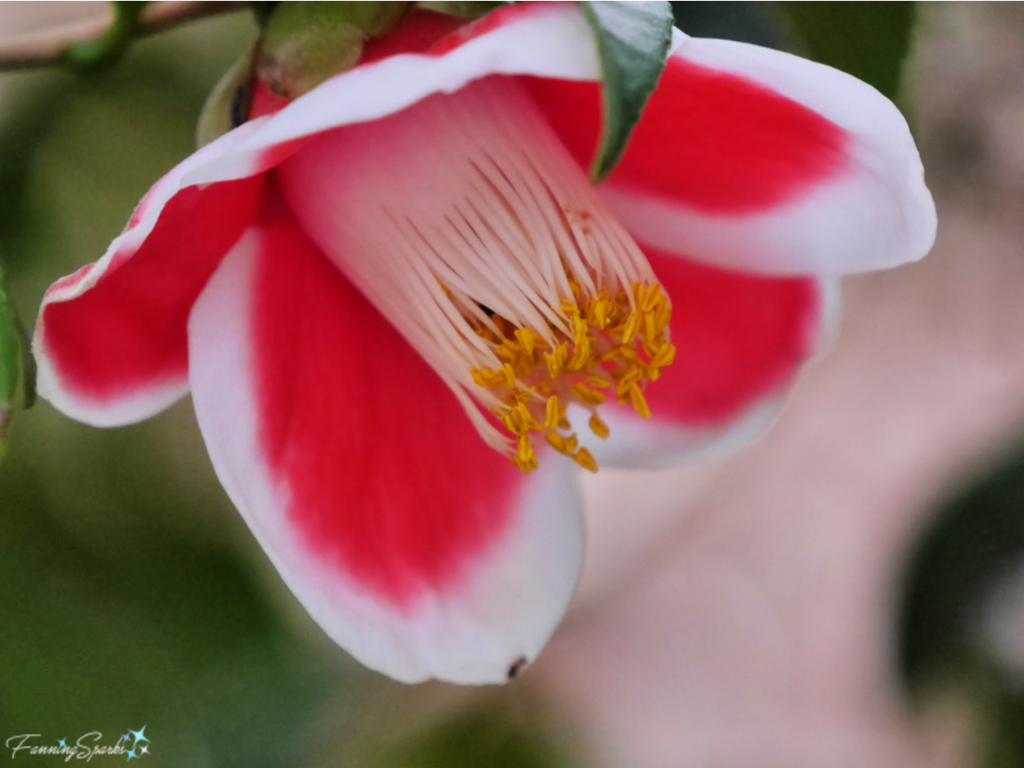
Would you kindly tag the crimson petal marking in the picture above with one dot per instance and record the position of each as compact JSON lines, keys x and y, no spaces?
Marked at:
{"x":741,"y":340}
{"x":417,"y":548}
{"x":709,"y":140}
{"x":418,"y":32}
{"x":111,"y":338}
{"x":758,"y":160}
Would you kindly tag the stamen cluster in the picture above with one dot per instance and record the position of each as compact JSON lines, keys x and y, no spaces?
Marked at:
{"x":618,"y":344}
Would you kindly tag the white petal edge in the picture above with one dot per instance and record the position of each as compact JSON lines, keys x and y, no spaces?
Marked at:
{"x":514,"y":599}
{"x":157,"y":395}
{"x":552,"y":41}
{"x":657,"y":443}
{"x":878,"y":215}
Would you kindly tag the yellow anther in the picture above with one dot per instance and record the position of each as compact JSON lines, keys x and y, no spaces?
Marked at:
{"x":664,"y":315}
{"x":650,"y":327}
{"x":636,"y":396}
{"x":508,"y":350}
{"x":664,"y":356}
{"x":588,"y":395}
{"x":523,"y":420}
{"x":525,"y":454}
{"x":585,"y":460}
{"x":613,"y":354}
{"x":552,"y":413}
{"x":650,"y":302}
{"x":508,"y":419}
{"x":612,"y":340}
{"x":566,"y":445}
{"x":525,"y":337}
{"x":556,"y":359}
{"x":579,"y":329}
{"x":627,"y":379}
{"x":628,"y":353}
{"x":639,"y":289}
{"x":580,"y":355}
{"x":568,"y":307}
{"x":631,"y":327}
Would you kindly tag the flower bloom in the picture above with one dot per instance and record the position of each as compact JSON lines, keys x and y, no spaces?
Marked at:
{"x":397,"y":299}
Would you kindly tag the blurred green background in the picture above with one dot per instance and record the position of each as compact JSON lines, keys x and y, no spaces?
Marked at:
{"x":131,"y":593}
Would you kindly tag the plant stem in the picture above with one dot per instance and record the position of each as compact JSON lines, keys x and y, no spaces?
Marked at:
{"x":48,"y":48}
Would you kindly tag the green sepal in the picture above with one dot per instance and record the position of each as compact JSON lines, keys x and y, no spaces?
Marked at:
{"x":306,"y":43}
{"x":17,"y":368}
{"x":464,"y":10}
{"x":632,"y":42}
{"x":227,"y":106}
{"x":108,"y":47}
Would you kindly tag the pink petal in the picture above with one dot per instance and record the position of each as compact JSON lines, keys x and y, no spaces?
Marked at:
{"x":754,"y":159}
{"x":111,"y":339}
{"x":740,"y":339}
{"x":416,"y":547}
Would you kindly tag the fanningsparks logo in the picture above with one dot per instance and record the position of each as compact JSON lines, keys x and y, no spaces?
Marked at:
{"x":133,"y":744}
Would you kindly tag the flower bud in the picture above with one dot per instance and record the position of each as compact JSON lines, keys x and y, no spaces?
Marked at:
{"x":305,"y":43}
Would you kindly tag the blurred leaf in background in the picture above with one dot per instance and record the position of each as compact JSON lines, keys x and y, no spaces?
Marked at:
{"x":17,"y":369}
{"x":744,"y":21}
{"x":485,"y":734}
{"x":970,"y":552}
{"x":868,"y":40}
{"x":125,"y":592}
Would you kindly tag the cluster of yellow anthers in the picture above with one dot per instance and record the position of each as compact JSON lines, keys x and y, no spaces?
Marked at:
{"x":619,"y":343}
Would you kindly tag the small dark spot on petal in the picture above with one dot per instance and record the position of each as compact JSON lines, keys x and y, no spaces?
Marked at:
{"x":517,"y":666}
{"x":240,"y":105}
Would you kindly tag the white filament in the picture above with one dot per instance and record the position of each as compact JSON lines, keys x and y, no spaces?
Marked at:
{"x":460,"y":202}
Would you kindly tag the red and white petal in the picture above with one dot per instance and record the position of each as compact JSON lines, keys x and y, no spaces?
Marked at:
{"x":741,"y":339}
{"x":417,"y":548}
{"x":540,"y":39}
{"x":111,"y":341}
{"x":757,"y":160}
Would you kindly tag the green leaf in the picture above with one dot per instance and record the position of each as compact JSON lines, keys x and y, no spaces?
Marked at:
{"x":970,"y":545}
{"x":969,"y":553}
{"x":632,"y":41}
{"x":743,"y":21}
{"x":483,"y":734}
{"x":17,"y":369}
{"x":868,"y":40}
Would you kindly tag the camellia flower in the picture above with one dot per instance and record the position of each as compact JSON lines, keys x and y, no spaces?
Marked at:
{"x":398,"y":300}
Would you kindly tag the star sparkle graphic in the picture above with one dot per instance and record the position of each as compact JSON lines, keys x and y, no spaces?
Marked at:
{"x":62,"y":742}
